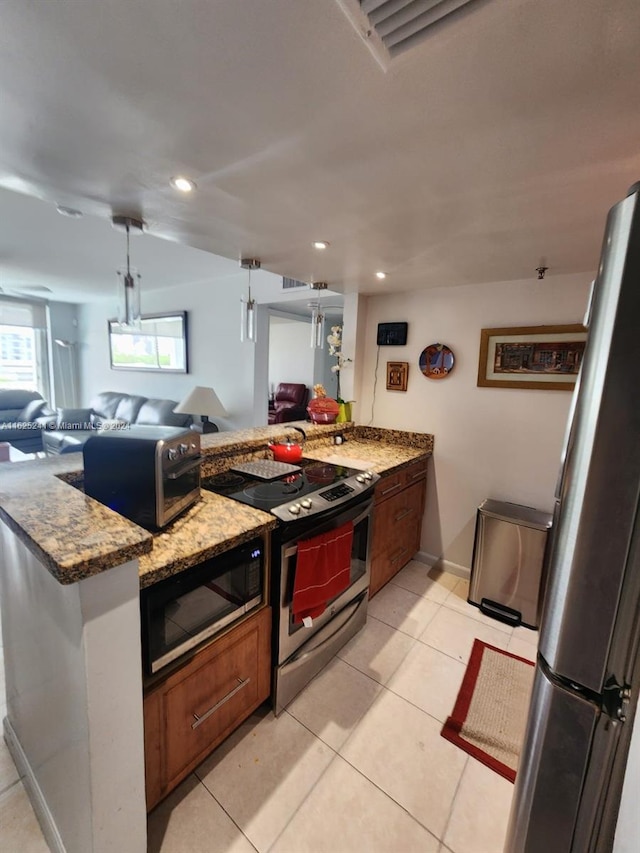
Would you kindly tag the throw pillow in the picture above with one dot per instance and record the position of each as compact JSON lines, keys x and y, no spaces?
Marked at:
{"x":31,"y":411}
{"x":74,"y":418}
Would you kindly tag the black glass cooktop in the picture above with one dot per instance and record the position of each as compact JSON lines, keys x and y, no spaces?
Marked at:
{"x":322,"y":478}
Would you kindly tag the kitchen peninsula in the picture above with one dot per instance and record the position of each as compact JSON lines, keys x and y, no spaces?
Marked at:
{"x":71,"y":574}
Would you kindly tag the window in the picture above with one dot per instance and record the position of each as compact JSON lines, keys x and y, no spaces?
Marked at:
{"x":160,"y":344}
{"x":23,"y":346}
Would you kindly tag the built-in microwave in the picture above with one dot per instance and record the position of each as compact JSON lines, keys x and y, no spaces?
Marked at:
{"x":179,"y":613}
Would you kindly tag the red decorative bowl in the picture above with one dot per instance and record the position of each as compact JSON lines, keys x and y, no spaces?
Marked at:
{"x":323,"y":410}
{"x":323,"y":417}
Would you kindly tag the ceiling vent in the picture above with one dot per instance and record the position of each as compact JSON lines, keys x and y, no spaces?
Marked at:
{"x":389,"y":27}
{"x":289,"y":283}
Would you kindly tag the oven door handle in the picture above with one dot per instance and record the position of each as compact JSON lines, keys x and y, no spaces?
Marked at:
{"x":289,"y":551}
{"x":341,"y":619}
{"x":175,"y":473}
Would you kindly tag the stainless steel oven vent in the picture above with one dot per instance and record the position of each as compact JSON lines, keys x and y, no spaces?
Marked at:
{"x":390,"y":27}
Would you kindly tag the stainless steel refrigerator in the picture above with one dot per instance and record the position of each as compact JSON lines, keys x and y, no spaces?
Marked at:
{"x":572,"y":767}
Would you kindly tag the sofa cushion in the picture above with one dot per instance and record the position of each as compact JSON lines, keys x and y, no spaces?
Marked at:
{"x":59,"y":441}
{"x":31,"y":411}
{"x":129,"y":407}
{"x":112,"y":423}
{"x":106,"y":403}
{"x":160,"y":412}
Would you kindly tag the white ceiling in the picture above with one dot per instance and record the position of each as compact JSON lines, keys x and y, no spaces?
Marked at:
{"x":499,"y":142}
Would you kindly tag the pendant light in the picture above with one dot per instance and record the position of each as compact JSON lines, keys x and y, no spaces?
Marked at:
{"x":128,"y":278}
{"x":248,"y":327}
{"x":317,"y":326}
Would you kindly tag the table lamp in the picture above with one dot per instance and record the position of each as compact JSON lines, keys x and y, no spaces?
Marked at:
{"x":204,"y":402}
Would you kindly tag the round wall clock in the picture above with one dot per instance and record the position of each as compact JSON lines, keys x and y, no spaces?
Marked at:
{"x":436,"y":361}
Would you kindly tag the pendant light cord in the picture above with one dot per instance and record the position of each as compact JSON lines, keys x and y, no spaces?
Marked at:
{"x":128,"y":268}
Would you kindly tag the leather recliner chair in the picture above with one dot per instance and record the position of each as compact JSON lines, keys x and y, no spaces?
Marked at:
{"x":290,"y":403}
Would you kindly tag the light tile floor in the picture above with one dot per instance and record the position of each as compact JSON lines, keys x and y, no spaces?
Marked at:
{"x":356,"y":762}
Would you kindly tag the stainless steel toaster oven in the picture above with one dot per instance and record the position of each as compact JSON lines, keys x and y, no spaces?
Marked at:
{"x":150,"y":474}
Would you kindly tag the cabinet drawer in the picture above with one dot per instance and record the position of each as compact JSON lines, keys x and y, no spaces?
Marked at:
{"x":397,"y":524}
{"x":207,"y":702}
{"x":196,"y":707}
{"x":415,"y":472}
{"x":389,"y":486}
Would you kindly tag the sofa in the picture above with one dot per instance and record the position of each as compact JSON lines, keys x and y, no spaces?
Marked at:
{"x":289,"y":404}
{"x":68,"y":431}
{"x":23,"y":415}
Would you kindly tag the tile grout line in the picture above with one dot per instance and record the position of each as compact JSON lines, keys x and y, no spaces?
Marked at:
{"x":396,"y":628}
{"x":313,"y":787}
{"x":389,"y":797}
{"x":339,"y":754}
{"x":217,"y":801}
{"x":352,"y":733}
{"x":10,"y":787}
{"x":453,"y":800}
{"x":353,"y":666}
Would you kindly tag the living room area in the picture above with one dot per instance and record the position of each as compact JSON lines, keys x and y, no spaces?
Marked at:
{"x":55,"y":335}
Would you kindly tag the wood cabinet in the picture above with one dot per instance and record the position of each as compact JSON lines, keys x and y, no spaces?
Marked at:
{"x":190,"y":712}
{"x":397,"y":522}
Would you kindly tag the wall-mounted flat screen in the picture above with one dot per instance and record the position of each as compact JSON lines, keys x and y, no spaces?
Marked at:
{"x":160,"y":344}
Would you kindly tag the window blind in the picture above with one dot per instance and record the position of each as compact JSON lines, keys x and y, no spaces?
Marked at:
{"x":16,"y":312}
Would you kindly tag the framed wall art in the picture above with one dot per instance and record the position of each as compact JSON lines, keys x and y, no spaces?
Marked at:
{"x":543,"y":357}
{"x":397,"y":375}
{"x":436,"y":361}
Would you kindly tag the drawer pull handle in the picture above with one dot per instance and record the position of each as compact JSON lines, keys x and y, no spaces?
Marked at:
{"x":390,"y":489}
{"x":398,"y":555}
{"x":418,"y":474}
{"x":200,"y":719}
{"x":404,"y":514}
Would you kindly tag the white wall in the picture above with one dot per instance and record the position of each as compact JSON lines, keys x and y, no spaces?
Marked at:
{"x":217,"y":358}
{"x":291,"y":357}
{"x":74,"y":718}
{"x":498,"y":443}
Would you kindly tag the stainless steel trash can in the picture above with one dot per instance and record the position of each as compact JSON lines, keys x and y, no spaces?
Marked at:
{"x":508,"y":555}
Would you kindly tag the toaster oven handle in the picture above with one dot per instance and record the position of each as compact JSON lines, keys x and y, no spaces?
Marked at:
{"x":184,"y":469}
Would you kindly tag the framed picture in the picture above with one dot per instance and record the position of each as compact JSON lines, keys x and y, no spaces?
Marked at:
{"x":397,"y":375}
{"x":159,"y":345}
{"x":544,"y":357}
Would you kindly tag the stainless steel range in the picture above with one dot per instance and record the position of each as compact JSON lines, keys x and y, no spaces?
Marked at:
{"x":319,"y":548}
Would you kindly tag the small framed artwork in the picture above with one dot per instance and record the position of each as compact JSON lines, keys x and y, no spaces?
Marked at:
{"x":397,"y":375}
{"x":543,"y":357}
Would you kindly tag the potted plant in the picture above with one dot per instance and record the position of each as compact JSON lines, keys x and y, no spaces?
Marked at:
{"x":335,"y":348}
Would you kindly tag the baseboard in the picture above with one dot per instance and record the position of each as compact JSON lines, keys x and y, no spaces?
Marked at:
{"x":28,"y":779}
{"x":445,"y":565}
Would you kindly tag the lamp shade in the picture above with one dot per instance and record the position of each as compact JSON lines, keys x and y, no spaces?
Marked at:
{"x":201,"y":401}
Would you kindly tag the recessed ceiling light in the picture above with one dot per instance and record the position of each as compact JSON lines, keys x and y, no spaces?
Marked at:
{"x":381,"y":274}
{"x":69,"y":211}
{"x":184,"y":185}
{"x":320,"y":244}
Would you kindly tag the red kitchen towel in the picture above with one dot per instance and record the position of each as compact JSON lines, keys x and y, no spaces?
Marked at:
{"x":323,"y":569}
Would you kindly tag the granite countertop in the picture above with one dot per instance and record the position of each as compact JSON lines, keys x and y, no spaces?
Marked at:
{"x":72,"y":535}
{"x":75,"y":536}
{"x":382,"y":451}
{"x":211,"y":526}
